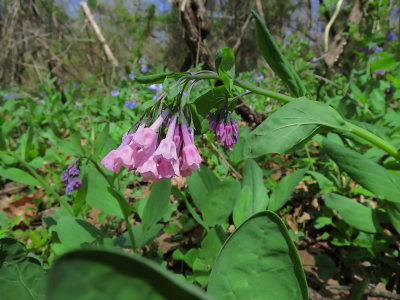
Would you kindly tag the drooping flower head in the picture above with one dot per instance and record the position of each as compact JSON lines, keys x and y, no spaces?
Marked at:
{"x":70,"y":177}
{"x":392,"y":36}
{"x":225,"y":127}
{"x":114,"y":93}
{"x":130,"y":104}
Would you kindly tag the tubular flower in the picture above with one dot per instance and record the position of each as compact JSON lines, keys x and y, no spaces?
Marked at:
{"x":225,"y":127}
{"x":70,"y":177}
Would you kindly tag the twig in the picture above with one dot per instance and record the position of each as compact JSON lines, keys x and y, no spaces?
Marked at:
{"x":242,"y":32}
{"x":330,"y":23}
{"x":102,"y":40}
{"x":224,"y":159}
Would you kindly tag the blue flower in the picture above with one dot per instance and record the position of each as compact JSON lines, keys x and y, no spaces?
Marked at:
{"x":155,"y":87}
{"x":130,"y":104}
{"x":377,"y":49}
{"x":75,"y":84}
{"x":380,"y":72}
{"x":144,"y":68}
{"x":42,"y":94}
{"x":60,"y":80}
{"x":391,"y":36}
{"x":132,"y":75}
{"x":15,"y":96}
{"x":142,"y":60}
{"x":6,"y":96}
{"x":114,"y":93}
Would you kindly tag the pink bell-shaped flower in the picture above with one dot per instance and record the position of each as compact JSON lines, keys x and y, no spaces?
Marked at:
{"x":190,"y":155}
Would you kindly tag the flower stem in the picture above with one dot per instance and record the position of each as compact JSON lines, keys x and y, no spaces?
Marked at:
{"x":373,"y":139}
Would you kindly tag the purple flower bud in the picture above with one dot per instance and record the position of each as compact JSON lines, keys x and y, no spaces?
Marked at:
{"x":220,"y":131}
{"x":73,"y":170}
{"x":235,"y":130}
{"x":73,"y":184}
{"x":64,"y":176}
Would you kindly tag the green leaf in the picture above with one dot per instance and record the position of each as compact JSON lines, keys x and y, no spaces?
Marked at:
{"x":285,"y":187}
{"x":383,"y":63}
{"x":258,"y":261}
{"x":243,"y":207}
{"x":255,"y":198}
{"x":326,"y":266}
{"x":200,"y":183}
{"x":209,"y":100}
{"x":11,"y":251}
{"x":23,"y":281}
{"x":18,"y":175}
{"x":291,"y":127}
{"x":81,"y":195}
{"x":220,"y":201}
{"x":101,"y":140}
{"x":393,"y":210}
{"x":359,"y":289}
{"x":276,"y":60}
{"x":98,"y":195}
{"x":157,"y":204}
{"x":26,"y":143}
{"x":364,"y":171}
{"x":99,"y":274}
{"x":74,"y":233}
{"x":172,"y":87}
{"x":159,"y":78}
{"x":353,"y":213}
{"x":225,"y":65}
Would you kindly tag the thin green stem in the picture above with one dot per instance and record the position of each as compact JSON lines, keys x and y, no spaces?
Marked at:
{"x":373,"y":139}
{"x":45,"y":185}
{"x":123,"y":204}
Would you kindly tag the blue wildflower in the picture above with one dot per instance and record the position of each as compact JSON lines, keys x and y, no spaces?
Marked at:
{"x":42,"y":94}
{"x":380,"y":72}
{"x":130,"y":104}
{"x":391,"y":36}
{"x":60,"y":80}
{"x":313,"y":59}
{"x":70,"y":177}
{"x":6,"y":96}
{"x":132,"y":75}
{"x":114,"y":93}
{"x":142,"y":60}
{"x":75,"y":84}
{"x":15,"y":96}
{"x":144,"y":68}
{"x":377,"y":50}
{"x":155,"y":87}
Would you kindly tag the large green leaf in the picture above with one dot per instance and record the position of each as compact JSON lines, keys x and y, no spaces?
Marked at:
{"x":99,"y":274}
{"x":253,"y":197}
{"x":277,"y":61}
{"x":18,"y":175}
{"x":393,"y":210}
{"x":353,"y":213}
{"x":220,"y":201}
{"x":157,"y":204}
{"x":98,"y":194}
{"x":364,"y":171}
{"x":225,"y":65}
{"x":200,"y":183}
{"x":258,"y":261}
{"x":291,"y":126}
{"x":284,"y":189}
{"x":209,"y":100}
{"x":74,"y":233}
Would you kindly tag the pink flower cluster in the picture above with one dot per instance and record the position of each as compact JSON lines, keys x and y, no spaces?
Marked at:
{"x":227,"y":131}
{"x":174,"y":155}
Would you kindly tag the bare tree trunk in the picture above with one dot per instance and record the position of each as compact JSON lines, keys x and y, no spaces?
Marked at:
{"x":196,"y":28}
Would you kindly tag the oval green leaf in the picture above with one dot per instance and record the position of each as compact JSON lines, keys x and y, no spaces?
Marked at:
{"x":258,"y":261}
{"x":100,"y":274}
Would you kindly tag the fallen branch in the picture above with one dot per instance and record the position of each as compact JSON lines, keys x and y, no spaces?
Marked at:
{"x":102,"y":40}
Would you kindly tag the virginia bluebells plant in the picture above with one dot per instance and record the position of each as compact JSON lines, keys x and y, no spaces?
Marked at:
{"x":70,"y":177}
{"x":225,"y":127}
